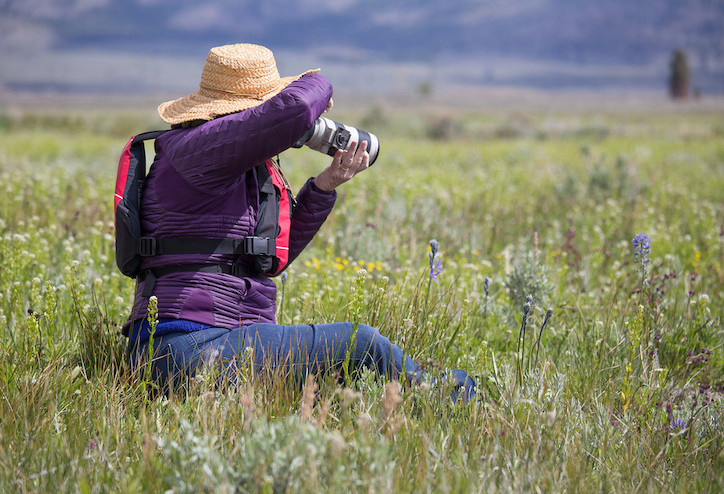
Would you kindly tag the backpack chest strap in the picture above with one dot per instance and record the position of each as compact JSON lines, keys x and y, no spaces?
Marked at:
{"x":251,"y":246}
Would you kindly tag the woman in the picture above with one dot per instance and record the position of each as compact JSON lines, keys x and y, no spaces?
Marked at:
{"x":204,"y":183}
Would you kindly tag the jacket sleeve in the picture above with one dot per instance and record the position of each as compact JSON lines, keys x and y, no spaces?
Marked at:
{"x":313,"y":207}
{"x":221,"y":150}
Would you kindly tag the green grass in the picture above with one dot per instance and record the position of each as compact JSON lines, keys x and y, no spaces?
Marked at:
{"x":540,"y":204}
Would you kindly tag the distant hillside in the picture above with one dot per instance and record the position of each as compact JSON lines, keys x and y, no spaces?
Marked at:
{"x":574,"y":38}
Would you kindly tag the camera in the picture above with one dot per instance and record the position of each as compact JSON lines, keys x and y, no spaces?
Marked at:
{"x":328,"y":136}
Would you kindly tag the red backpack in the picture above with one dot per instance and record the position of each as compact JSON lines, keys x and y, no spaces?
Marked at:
{"x":269,"y":247}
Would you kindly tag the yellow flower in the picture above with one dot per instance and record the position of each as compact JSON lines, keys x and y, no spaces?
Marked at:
{"x":697,"y":258}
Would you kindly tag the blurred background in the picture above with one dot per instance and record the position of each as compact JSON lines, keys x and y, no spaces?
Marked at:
{"x":480,"y":53}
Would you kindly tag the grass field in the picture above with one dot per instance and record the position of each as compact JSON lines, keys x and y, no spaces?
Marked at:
{"x":622,"y":390}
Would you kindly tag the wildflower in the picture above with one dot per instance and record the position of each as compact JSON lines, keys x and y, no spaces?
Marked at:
{"x":434,"y":246}
{"x":152,"y":316}
{"x":152,"y":310}
{"x":435,"y":262}
{"x":642,"y":248}
{"x":677,"y":426}
{"x":549,"y":314}
{"x":486,"y":288}
{"x":435,"y":269}
{"x":361,"y":274}
{"x":526,"y":311}
{"x":521,"y":335}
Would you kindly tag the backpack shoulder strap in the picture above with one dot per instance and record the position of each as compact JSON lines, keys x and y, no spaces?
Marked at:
{"x":151,"y":134}
{"x":130,"y":176}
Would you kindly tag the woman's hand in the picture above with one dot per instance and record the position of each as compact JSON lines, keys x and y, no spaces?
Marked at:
{"x":345,"y":165}
{"x":330,"y":105}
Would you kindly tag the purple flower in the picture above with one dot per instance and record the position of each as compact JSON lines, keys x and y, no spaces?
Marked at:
{"x":486,"y":286}
{"x":435,"y":268}
{"x":642,"y":248}
{"x":435,"y":262}
{"x":677,"y":425}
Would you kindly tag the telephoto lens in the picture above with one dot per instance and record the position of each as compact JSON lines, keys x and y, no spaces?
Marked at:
{"x":328,"y":136}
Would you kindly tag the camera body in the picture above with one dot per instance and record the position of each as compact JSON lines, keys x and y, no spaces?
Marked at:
{"x":328,"y":136}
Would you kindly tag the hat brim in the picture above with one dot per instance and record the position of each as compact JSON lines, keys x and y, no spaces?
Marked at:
{"x":206,"y":105}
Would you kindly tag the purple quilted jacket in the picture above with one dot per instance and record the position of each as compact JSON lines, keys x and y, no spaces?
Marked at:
{"x":202,"y":184}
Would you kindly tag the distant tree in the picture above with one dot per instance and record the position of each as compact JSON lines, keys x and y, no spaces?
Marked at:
{"x":424,"y":89}
{"x":679,"y":79}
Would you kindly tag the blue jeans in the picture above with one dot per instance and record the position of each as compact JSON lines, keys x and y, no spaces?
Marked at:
{"x":299,"y":349}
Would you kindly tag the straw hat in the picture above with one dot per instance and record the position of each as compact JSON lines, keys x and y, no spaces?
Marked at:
{"x":235,"y":77}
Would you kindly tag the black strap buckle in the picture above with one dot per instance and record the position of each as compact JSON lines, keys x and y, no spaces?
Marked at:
{"x":147,"y":246}
{"x":256,"y":246}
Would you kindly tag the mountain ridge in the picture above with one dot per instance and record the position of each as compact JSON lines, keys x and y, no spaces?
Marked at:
{"x":560,"y":33}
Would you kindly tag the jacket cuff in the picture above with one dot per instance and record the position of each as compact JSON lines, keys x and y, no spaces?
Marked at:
{"x":318,"y":194}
